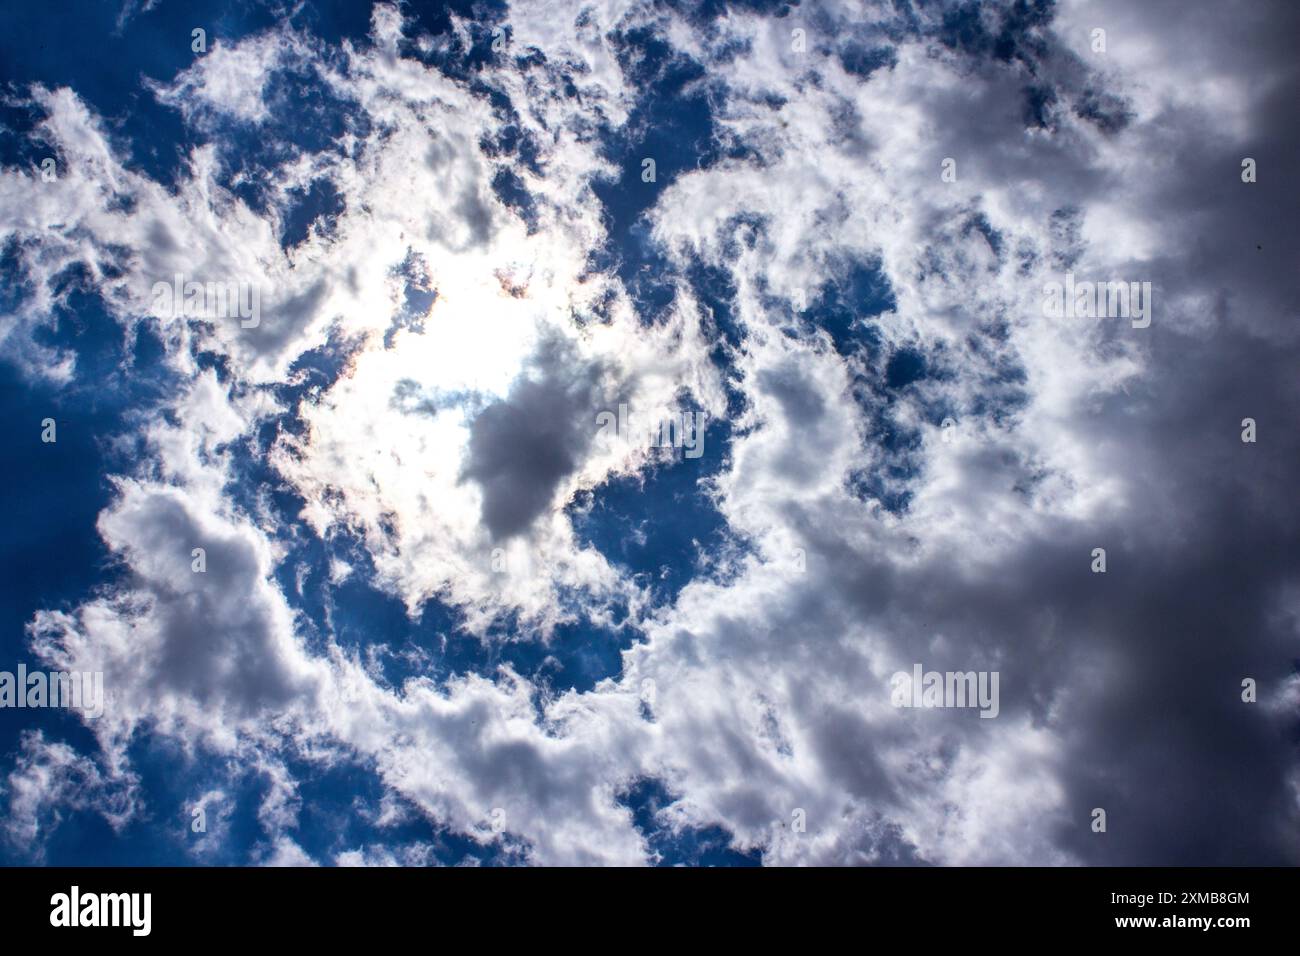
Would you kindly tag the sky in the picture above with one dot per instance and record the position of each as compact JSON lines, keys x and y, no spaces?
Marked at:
{"x":616,"y":434}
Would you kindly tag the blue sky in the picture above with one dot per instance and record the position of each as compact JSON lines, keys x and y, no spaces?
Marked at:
{"x":366,"y":581}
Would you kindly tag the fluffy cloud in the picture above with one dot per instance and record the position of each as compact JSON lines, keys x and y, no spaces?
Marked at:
{"x":919,"y":462}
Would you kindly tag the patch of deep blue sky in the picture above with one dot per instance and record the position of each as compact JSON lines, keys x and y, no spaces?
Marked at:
{"x":660,"y":527}
{"x":52,"y":556}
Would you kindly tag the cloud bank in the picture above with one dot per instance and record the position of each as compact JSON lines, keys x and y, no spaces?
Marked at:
{"x":424,"y":565}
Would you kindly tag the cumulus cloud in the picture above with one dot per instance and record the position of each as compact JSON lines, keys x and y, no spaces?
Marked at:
{"x":918,"y":461}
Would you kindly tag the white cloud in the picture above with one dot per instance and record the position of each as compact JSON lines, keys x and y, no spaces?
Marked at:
{"x":771,"y":689}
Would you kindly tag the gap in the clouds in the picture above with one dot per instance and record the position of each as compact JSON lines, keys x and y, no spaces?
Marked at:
{"x":858,"y":291}
{"x":79,"y":45}
{"x":160,"y":832}
{"x":112,"y":362}
{"x":108,"y":68}
{"x":660,"y":525}
{"x":895,"y":442}
{"x":1012,"y":34}
{"x":1037,"y":112}
{"x":979,"y":222}
{"x":671,"y":123}
{"x":512,"y":192}
{"x":888,"y":483}
{"x":862,"y":47}
{"x":654,"y":287}
{"x":52,"y":557}
{"x":714,"y":288}
{"x":334,"y":805}
{"x":1109,"y":112}
{"x":512,"y":146}
{"x":899,"y":395}
{"x":687,"y":846}
{"x":702,"y":13}
{"x":20,"y":143}
{"x":1003,"y":393}
{"x":904,"y":367}
{"x":418,"y":297}
{"x":429,"y":36}
{"x":310,"y":374}
{"x":342,"y":808}
{"x":83,"y":836}
{"x":848,"y":306}
{"x":305,"y":116}
{"x":511,"y":139}
{"x":319,"y":203}
{"x":1006,"y":32}
{"x":333,"y":20}
{"x":374,"y":626}
{"x":861,"y":60}
{"x":576,"y":655}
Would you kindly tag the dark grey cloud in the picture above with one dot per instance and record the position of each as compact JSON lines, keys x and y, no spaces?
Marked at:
{"x":523,"y":446}
{"x":1137,"y":671}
